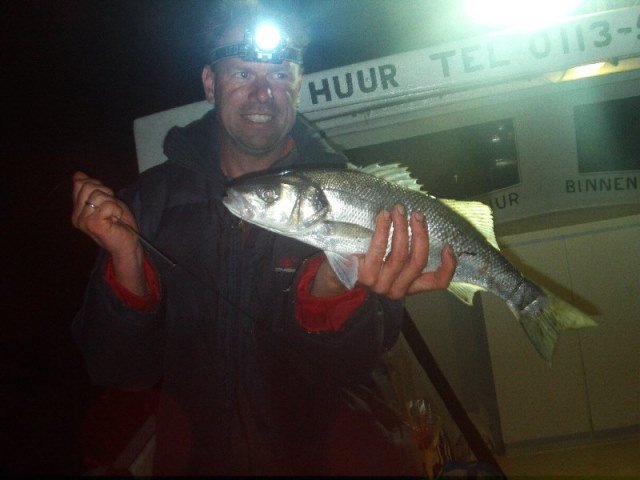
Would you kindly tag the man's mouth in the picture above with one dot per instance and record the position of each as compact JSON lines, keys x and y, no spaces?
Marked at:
{"x":259,"y":118}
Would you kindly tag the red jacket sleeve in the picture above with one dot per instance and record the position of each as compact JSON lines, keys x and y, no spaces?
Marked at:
{"x":145,"y":303}
{"x":317,"y":314}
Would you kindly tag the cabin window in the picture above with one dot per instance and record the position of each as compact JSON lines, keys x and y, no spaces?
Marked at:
{"x":608,"y":135}
{"x":460,"y":163}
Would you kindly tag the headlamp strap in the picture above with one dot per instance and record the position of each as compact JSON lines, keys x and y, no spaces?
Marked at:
{"x":233,"y":50}
{"x":242,"y":50}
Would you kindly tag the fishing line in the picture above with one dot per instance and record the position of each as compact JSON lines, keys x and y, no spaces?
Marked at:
{"x":211,"y":286}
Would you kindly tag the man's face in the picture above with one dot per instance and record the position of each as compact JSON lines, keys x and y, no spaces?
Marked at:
{"x":255,"y":102}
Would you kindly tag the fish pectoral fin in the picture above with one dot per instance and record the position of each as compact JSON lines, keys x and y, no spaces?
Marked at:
{"x":345,"y":267}
{"x":464,"y":291}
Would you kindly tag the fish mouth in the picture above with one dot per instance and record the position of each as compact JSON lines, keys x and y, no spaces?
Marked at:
{"x":237,"y":205}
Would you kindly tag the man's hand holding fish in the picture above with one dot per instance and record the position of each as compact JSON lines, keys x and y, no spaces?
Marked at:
{"x":401,"y":273}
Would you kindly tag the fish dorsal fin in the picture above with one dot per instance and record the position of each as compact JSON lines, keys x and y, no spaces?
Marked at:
{"x":391,"y":172}
{"x":477,"y":214}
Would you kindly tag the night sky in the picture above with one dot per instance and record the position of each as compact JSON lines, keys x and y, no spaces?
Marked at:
{"x":76,"y":73}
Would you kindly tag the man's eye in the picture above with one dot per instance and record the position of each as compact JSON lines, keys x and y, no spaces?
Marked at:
{"x":269,"y":195}
{"x":241,"y":75}
{"x":282,"y":76}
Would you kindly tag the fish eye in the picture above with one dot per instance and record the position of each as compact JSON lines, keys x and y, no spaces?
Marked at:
{"x":269,"y":194}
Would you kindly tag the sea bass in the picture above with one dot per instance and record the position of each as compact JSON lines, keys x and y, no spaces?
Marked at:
{"x":334,"y":208}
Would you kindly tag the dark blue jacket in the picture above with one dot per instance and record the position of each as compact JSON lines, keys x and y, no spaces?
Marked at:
{"x":244,"y":388}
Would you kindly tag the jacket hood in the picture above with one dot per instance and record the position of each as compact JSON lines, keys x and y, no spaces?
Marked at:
{"x":195,"y":147}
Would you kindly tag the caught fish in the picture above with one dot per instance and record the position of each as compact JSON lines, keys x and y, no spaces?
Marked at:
{"x":334,"y":207}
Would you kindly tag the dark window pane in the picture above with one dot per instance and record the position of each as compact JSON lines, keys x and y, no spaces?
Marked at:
{"x":608,"y":135}
{"x":460,"y":163}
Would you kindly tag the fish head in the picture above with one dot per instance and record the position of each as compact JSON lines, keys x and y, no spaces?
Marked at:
{"x":282,"y":202}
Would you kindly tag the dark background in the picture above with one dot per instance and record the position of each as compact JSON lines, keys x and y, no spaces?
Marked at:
{"x":75,"y":74}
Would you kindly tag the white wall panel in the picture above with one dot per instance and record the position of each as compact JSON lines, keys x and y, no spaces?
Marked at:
{"x":605,"y":269}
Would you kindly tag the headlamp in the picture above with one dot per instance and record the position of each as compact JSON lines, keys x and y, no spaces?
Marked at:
{"x":264,"y":43}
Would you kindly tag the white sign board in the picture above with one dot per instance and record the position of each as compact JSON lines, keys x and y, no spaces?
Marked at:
{"x":476,"y":61}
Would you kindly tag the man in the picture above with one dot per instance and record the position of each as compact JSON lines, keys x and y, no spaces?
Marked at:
{"x":267,"y":364}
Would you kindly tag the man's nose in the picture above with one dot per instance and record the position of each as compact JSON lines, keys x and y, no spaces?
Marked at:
{"x":263,"y":91}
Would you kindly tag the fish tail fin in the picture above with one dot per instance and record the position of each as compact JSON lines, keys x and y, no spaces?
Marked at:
{"x":542,"y":328}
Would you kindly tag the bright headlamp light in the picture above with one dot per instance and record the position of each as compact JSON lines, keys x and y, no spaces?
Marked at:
{"x":264,"y":43}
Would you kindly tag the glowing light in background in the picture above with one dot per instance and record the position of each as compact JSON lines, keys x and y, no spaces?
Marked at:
{"x":524,"y":14}
{"x":587,"y":70}
{"x":583,"y":71}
